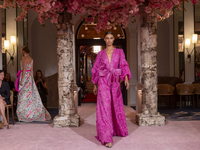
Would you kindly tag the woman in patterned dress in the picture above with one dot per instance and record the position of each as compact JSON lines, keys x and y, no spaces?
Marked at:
{"x":30,"y":107}
{"x":109,"y":65}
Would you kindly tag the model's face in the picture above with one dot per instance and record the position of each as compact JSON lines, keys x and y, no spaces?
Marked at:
{"x":109,"y":39}
{"x":38,"y":74}
{"x":1,"y":76}
{"x":7,"y":76}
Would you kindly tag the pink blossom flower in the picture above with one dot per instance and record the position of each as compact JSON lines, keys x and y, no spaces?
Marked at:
{"x":194,"y":1}
{"x":82,"y":10}
{"x":148,"y":9}
{"x":75,"y":5}
{"x":159,"y":18}
{"x":47,"y":7}
{"x":131,"y":11}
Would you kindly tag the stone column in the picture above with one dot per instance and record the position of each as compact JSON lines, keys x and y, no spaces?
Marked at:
{"x":65,"y":41}
{"x":148,"y":52}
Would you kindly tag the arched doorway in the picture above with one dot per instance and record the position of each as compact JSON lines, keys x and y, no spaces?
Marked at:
{"x":88,"y":43}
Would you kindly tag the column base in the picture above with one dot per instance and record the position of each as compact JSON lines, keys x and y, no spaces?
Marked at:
{"x":147,"y":120}
{"x":66,"y":121}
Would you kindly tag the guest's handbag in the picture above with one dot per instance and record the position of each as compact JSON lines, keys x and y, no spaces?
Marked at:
{"x":46,"y":91}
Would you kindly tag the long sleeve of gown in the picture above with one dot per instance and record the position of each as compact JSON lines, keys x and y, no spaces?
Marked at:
{"x":123,"y":65}
{"x":95,"y":69}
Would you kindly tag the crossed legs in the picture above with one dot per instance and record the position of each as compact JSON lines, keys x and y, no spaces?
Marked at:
{"x":2,"y":111}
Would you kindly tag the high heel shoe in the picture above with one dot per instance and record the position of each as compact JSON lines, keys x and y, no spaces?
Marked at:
{"x":108,"y":145}
{"x":7,"y":126}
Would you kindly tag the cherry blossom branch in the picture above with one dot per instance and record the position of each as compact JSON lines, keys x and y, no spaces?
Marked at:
{"x":106,"y":13}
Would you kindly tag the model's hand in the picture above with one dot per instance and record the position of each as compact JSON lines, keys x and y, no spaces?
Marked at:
{"x":126,"y":82}
{"x":95,"y":90}
{"x":20,"y":83}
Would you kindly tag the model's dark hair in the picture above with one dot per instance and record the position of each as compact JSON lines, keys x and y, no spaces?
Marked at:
{"x":26,"y":49}
{"x":109,"y":32}
{"x":42,"y":77}
{"x":1,"y":71}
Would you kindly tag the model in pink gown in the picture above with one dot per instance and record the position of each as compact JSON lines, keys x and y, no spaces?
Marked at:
{"x":111,"y":120}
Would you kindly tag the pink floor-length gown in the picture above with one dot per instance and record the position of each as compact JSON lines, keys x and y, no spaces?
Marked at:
{"x":111,"y":118}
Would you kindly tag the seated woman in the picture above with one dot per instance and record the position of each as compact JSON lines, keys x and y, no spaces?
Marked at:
{"x":7,"y":78}
{"x":41,"y":86}
{"x":4,"y":97}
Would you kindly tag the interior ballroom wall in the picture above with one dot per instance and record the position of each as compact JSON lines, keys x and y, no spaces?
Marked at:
{"x":188,"y":32}
{"x":131,"y":35}
{"x":42,"y":42}
{"x":11,"y":31}
{"x":163,"y":49}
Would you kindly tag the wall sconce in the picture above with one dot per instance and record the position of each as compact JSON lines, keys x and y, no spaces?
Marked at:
{"x":187,"y":45}
{"x":194,"y":38}
{"x":13,"y":40}
{"x":6,"y":46}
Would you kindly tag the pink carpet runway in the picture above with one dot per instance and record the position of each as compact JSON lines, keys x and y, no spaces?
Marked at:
{"x":175,"y":135}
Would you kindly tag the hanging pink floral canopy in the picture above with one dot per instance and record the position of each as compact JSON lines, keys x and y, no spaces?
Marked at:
{"x":106,"y":13}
